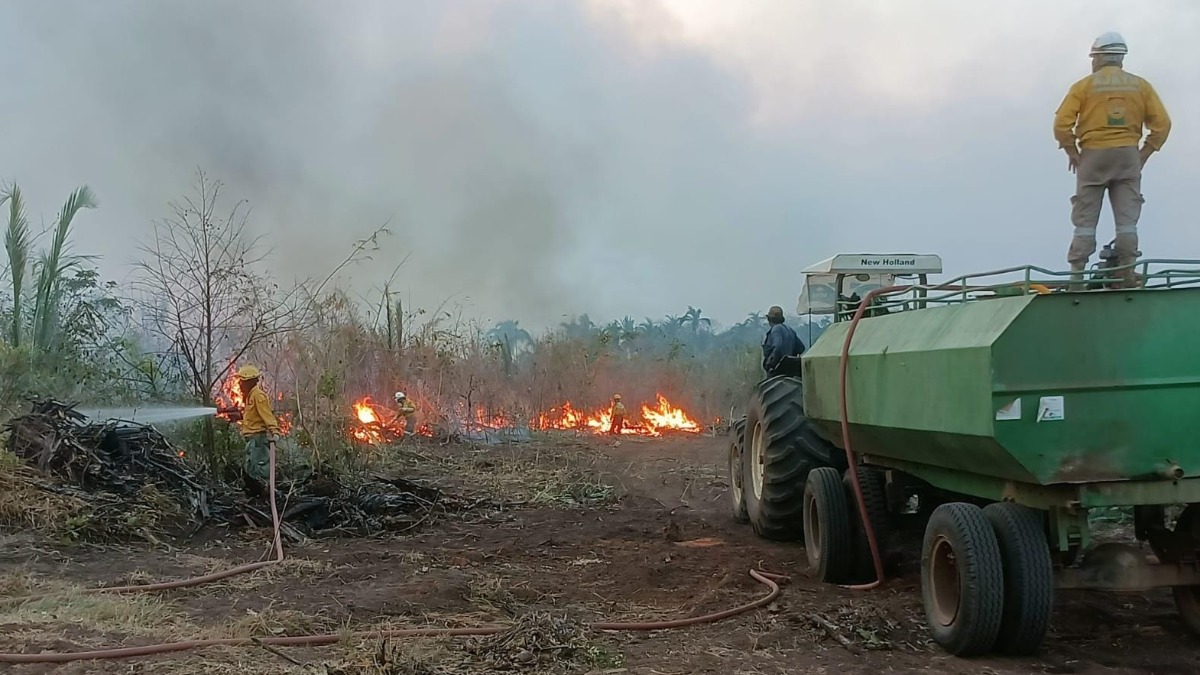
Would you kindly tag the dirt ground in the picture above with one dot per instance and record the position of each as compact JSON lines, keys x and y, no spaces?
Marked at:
{"x":659,"y":545}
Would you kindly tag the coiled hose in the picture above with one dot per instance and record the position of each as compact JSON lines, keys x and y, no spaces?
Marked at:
{"x":772,"y":582}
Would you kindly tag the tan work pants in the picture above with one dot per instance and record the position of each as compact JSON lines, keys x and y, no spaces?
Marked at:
{"x":1118,"y":170}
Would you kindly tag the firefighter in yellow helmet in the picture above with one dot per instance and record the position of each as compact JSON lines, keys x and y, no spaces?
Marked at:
{"x":617,"y":413}
{"x":259,"y":428}
{"x":408,"y":411}
{"x":1099,"y":124}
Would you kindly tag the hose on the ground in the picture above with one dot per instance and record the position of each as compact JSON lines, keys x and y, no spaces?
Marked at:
{"x":770,"y":580}
{"x":872,"y":541}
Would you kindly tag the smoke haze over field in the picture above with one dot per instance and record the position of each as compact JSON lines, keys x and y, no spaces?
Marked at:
{"x":540,"y":158}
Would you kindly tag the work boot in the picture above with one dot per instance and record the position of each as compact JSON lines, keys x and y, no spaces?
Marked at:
{"x":1076,"y":277}
{"x":1127,"y":277}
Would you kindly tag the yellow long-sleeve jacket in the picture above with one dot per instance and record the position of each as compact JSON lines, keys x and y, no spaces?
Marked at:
{"x":258,"y":417}
{"x":407,"y":408}
{"x":618,"y":409}
{"x":1108,"y":109}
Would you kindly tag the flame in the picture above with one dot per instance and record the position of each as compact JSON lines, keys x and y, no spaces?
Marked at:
{"x":230,"y":395}
{"x":653,"y":422}
{"x":365,"y":413}
{"x":376,"y":424}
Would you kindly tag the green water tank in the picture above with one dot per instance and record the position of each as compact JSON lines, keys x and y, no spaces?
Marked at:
{"x":1045,"y":389}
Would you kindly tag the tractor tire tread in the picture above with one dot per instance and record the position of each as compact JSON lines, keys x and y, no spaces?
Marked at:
{"x":737,"y":445}
{"x":792,"y":450}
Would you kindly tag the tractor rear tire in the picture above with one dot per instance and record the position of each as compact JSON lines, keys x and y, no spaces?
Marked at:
{"x":737,"y":496}
{"x":828,"y":542}
{"x":1028,"y":578}
{"x":874,"y":491}
{"x":962,"y":580}
{"x":781,"y":447}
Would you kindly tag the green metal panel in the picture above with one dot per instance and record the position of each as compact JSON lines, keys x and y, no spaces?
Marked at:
{"x":919,"y":385}
{"x":925,"y":387}
{"x":1127,"y":366}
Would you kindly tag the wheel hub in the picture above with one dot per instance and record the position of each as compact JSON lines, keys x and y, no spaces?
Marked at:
{"x":943,"y":582}
{"x":756,"y":459}
{"x":812,"y":530}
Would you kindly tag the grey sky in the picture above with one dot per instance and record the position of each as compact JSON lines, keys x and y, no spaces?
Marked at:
{"x":614,"y":157}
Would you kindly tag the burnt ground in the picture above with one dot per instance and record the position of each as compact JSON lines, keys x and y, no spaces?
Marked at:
{"x":660,"y":545}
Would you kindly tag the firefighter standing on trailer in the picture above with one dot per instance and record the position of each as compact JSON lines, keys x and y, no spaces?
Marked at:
{"x":259,"y":428}
{"x":617,"y":412}
{"x":1104,"y":114}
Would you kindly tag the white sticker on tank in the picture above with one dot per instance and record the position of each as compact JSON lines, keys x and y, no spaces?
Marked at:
{"x":1012,"y":411}
{"x":1050,"y":409}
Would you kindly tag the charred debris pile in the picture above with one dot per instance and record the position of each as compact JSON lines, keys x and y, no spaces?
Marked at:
{"x":125,"y":473}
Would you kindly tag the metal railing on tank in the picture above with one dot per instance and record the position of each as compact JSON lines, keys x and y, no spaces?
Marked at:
{"x":1149,"y":275}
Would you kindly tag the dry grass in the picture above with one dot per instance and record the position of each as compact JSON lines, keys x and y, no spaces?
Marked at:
{"x":542,"y":640}
{"x":25,"y":504}
{"x":290,"y":568}
{"x":30,"y":501}
{"x":384,"y":657}
{"x":274,"y":621}
{"x":493,"y":593}
{"x":527,"y":473}
{"x":99,"y":613}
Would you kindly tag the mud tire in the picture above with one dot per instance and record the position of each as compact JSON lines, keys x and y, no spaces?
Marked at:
{"x":789,"y":448}
{"x":737,"y":497}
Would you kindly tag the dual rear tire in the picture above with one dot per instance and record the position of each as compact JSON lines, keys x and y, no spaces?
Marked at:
{"x":835,"y":540}
{"x":987,"y":581}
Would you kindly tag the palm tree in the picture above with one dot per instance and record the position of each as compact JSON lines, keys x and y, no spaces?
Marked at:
{"x":629,"y":329}
{"x":695,"y":319}
{"x":51,"y":268}
{"x":579,"y":327}
{"x":508,"y":336}
{"x":17,"y":244}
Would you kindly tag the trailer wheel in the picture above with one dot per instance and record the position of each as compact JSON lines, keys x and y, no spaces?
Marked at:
{"x":781,"y":447}
{"x":1187,"y":598}
{"x":1028,"y":578}
{"x":828,"y":542}
{"x":874,"y":491}
{"x":962,"y":580}
{"x":737,"y":442}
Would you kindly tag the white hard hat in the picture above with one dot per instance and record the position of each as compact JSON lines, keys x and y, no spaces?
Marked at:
{"x":1109,"y":43}
{"x":400,"y":396}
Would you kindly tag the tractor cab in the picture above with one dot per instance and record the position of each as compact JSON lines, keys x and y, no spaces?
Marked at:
{"x":836,"y":285}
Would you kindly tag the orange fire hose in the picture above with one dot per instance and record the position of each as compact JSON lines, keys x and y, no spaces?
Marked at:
{"x":770,"y":580}
{"x":872,"y":542}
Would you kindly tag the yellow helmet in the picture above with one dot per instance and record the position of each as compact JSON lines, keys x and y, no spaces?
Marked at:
{"x":616,"y":397}
{"x":248,"y":373}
